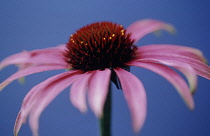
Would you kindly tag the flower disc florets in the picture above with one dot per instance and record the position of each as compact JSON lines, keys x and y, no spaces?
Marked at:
{"x":98,"y":46}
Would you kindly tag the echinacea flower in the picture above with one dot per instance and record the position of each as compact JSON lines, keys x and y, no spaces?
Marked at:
{"x":100,"y":53}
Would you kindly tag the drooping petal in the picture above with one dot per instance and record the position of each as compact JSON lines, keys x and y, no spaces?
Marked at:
{"x":52,"y":55}
{"x":185,"y":68}
{"x":135,"y":96}
{"x":29,"y":71}
{"x":171,"y":49}
{"x":98,"y":90}
{"x":78,"y":92}
{"x":189,"y":73}
{"x":40,"y":96}
{"x":143,"y":27}
{"x":15,"y":59}
{"x":174,"y":78}
{"x":200,"y":68}
{"x":18,"y":123}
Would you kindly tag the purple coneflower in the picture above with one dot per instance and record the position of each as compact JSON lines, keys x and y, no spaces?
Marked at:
{"x":98,"y":54}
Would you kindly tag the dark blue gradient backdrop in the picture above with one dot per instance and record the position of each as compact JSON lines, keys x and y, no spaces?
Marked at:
{"x":36,"y":24}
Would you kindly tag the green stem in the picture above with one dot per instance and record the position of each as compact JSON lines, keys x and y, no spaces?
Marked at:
{"x":105,"y":121}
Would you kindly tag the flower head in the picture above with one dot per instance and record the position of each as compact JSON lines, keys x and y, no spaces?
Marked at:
{"x":97,"y":54}
{"x":99,"y":46}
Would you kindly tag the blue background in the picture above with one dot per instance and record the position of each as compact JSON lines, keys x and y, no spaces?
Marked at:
{"x":33,"y":24}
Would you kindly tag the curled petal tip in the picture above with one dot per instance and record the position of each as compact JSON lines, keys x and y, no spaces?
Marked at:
{"x":15,"y":133}
{"x":18,"y":124}
{"x":191,"y":105}
{"x":192,"y":108}
{"x":1,"y":65}
{"x":136,"y":129}
{"x":193,"y":90}
{"x":3,"y":85}
{"x":170,"y":29}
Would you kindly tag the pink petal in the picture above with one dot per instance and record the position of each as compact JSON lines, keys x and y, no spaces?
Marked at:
{"x":186,"y":69}
{"x":172,"y":49}
{"x":143,"y":27}
{"x":78,"y":92}
{"x":52,"y":55}
{"x":189,"y":73}
{"x":200,"y":68}
{"x":135,"y":96}
{"x":40,"y":96}
{"x":170,"y":75}
{"x":29,"y":71}
{"x":98,"y":89}
{"x":15,"y":59}
{"x":18,"y":123}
